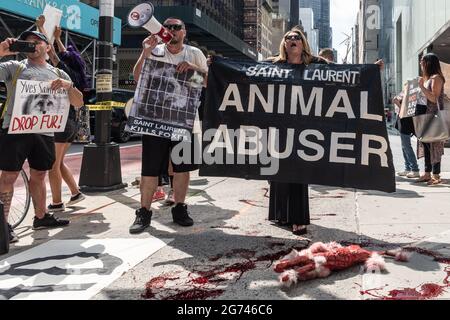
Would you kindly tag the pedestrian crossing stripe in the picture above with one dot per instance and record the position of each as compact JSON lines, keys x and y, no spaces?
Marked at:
{"x":72,"y":269}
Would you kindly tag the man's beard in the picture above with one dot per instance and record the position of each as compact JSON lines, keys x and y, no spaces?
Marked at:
{"x":174,"y":41}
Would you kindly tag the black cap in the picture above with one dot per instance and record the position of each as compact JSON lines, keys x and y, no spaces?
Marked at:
{"x":41,"y":36}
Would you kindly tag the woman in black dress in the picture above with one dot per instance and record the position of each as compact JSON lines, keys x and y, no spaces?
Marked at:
{"x":289,"y":202}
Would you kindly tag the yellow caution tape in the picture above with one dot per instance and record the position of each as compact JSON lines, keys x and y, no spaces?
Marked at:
{"x":105,"y":105}
{"x":95,"y":107}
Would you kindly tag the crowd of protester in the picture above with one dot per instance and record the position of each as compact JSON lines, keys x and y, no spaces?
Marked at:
{"x":289,"y":203}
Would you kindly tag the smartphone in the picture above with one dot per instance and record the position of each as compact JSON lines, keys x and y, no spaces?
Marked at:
{"x":22,"y":46}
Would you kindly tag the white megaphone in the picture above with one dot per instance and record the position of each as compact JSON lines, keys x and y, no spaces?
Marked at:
{"x":142,"y":16}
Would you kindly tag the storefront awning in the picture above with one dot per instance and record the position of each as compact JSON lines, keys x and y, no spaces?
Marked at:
{"x":77,"y":17}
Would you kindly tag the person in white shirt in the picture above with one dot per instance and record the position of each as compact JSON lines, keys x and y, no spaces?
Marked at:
{"x":156,"y":150}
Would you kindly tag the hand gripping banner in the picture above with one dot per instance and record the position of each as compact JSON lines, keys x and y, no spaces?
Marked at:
{"x":319,"y":124}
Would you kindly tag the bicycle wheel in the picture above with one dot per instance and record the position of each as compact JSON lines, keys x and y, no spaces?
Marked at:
{"x":21,"y":200}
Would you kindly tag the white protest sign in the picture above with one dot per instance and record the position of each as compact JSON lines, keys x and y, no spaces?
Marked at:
{"x":38,"y":109}
{"x":52,"y":20}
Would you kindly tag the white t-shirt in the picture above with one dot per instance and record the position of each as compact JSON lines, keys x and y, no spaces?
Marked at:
{"x":189,"y":54}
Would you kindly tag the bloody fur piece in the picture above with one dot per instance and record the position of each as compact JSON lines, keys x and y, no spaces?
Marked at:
{"x":321,"y":259}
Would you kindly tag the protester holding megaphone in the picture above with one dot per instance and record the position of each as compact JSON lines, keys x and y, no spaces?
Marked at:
{"x":156,"y":150}
{"x":142,"y":16}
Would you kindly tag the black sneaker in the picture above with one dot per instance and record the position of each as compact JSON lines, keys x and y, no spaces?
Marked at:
{"x":142,"y":221}
{"x":75,"y":199}
{"x":56,"y":207}
{"x":13,"y":238}
{"x":180,"y":215}
{"x":49,"y":221}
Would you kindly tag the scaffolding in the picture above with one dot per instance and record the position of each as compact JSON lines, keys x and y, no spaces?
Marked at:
{"x":13,"y":25}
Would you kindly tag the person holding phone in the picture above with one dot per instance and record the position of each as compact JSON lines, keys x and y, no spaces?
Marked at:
{"x":69,"y":60}
{"x":38,"y":149}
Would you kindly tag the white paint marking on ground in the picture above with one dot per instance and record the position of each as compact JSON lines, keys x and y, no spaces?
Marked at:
{"x":72,"y":269}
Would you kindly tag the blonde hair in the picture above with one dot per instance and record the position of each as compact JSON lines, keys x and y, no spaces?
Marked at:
{"x":307,"y":56}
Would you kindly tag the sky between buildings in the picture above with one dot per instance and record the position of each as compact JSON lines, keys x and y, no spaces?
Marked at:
{"x":343,"y":18}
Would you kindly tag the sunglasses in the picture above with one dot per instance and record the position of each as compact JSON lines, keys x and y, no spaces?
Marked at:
{"x":293,"y":38}
{"x":173,"y":27}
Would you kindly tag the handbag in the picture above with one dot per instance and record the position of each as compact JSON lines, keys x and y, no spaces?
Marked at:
{"x":433,"y":127}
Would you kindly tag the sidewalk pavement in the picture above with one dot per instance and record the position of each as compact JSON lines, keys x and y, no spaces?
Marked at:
{"x":229,"y":252}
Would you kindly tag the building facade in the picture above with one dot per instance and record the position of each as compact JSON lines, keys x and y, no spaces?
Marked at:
{"x":307,"y":21}
{"x":216,"y":27}
{"x":279,"y":28}
{"x":282,"y":7}
{"x":420,"y":27}
{"x":400,"y":32}
{"x":280,"y":23}
{"x":373,"y":39}
{"x":257,"y":26}
{"x":321,"y":9}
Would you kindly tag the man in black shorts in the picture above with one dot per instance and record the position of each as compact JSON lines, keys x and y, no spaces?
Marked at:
{"x":156,"y":150}
{"x":38,"y":149}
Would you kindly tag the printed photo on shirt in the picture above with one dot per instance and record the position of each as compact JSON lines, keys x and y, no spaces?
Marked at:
{"x":165,"y":102}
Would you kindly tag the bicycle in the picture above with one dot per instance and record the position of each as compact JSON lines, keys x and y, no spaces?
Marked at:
{"x":20,"y":203}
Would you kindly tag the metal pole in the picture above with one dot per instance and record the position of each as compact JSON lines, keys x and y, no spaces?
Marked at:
{"x":100,"y":169}
{"x":94,"y":64}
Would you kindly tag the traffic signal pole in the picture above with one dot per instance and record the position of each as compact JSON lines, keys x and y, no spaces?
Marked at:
{"x":100,"y":168}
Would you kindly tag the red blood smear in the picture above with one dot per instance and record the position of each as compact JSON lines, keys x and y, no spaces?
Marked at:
{"x":369,"y":292}
{"x":210,"y":276}
{"x":195,"y":294}
{"x":200,"y":280}
{"x":435,"y":255}
{"x":431,"y":290}
{"x":148,"y":294}
{"x":427,"y":291}
{"x":159,"y":282}
{"x":446,"y":281}
{"x":155,"y":283}
{"x":208,"y":279}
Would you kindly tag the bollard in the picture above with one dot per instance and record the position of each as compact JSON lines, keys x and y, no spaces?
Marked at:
{"x":4,"y":232}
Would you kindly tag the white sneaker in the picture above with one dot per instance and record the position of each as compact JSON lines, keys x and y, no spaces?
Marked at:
{"x":413,"y":175}
{"x":403,"y":173}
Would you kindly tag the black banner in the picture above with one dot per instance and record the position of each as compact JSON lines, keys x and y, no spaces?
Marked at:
{"x":320,"y":124}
